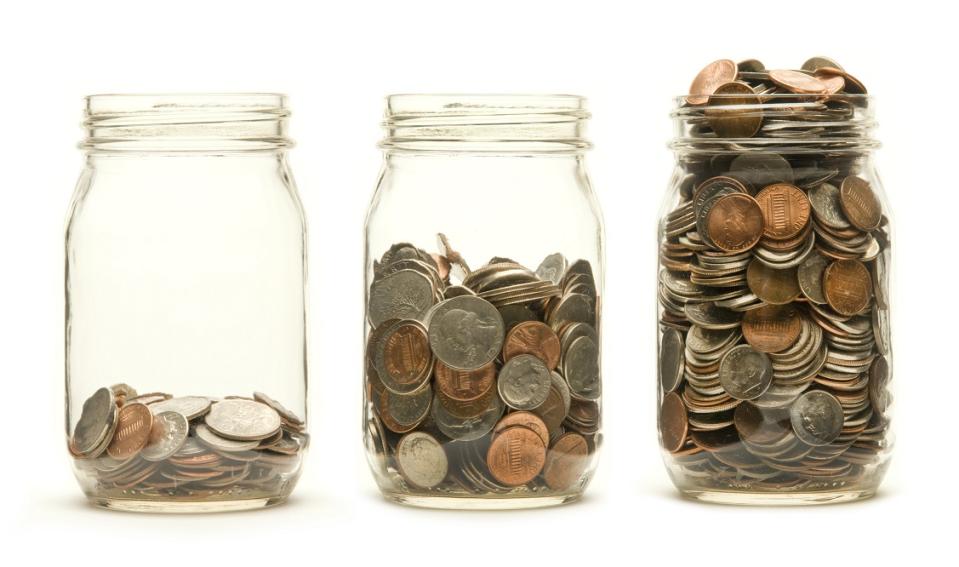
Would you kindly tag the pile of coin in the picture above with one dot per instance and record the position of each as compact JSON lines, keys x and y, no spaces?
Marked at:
{"x":774,"y":345}
{"x":482,"y":381}
{"x":156,"y":446}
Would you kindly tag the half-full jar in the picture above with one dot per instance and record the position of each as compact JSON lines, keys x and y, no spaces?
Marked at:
{"x":484,"y":271}
{"x":774,"y":350}
{"x":185,"y":333}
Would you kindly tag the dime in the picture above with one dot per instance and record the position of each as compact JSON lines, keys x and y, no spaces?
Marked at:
{"x":735,"y":223}
{"x":566,"y":461}
{"x":785,"y":210}
{"x":466,"y":332}
{"x":776,"y":287}
{"x":191,"y":407}
{"x":859,"y":203}
{"x":581,"y":368}
{"x":96,"y":423}
{"x":404,"y":360}
{"x":535,"y":338}
{"x":243,"y":420}
{"x":214,"y":441}
{"x":847,"y":286}
{"x":134,"y":423}
{"x":421,"y":459}
{"x":773,"y":328}
{"x":525,"y":419}
{"x":736,"y":123}
{"x":824,"y":200}
{"x":745,"y":373}
{"x":810,"y":275}
{"x":405,"y":294}
{"x":524,"y":382}
{"x":672,"y":422}
{"x":671,"y":360}
{"x":709,"y":79}
{"x":516,"y":456}
{"x":797,"y":82}
{"x":168,"y":433}
{"x":816,"y":418}
{"x":552,"y":269}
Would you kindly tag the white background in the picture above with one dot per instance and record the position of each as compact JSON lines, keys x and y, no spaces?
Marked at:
{"x":337,"y":61}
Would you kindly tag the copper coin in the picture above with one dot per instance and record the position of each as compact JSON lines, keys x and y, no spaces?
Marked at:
{"x":772,"y":328}
{"x":710,"y":78}
{"x":407,"y":358}
{"x":516,"y":456}
{"x":776,"y":287}
{"x":797,"y":82}
{"x":785,"y":210}
{"x":847,"y":286}
{"x":673,"y":423}
{"x":859,"y":203}
{"x":834,"y":83}
{"x":735,"y":223}
{"x":735,"y":123}
{"x":133,"y":431}
{"x":566,"y":461}
{"x":464,"y":385}
{"x":525,"y":419}
{"x":535,"y":338}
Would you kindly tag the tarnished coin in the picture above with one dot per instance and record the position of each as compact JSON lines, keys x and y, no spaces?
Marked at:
{"x":535,"y":338}
{"x":466,"y":332}
{"x":797,"y":82}
{"x":847,"y":286}
{"x":516,"y":456}
{"x":859,"y":203}
{"x":464,"y":385}
{"x":421,"y":459}
{"x":524,"y":382}
{"x":816,"y":418}
{"x":214,"y":441}
{"x":673,"y":424}
{"x":581,"y":368}
{"x":824,"y":200}
{"x":773,"y":328}
{"x":709,"y":79}
{"x":738,"y":122}
{"x":403,"y":412}
{"x":552,"y":269}
{"x":710,"y":316}
{"x":403,"y":359}
{"x":556,"y":407}
{"x":96,"y":423}
{"x":405,"y":294}
{"x":735,"y":223}
{"x":279,"y":408}
{"x":243,"y":420}
{"x":745,"y":373}
{"x":776,"y":287}
{"x":134,"y":423}
{"x":672,"y":361}
{"x":810,"y":276}
{"x":169,"y":432}
{"x":785,"y":210}
{"x":525,"y":419}
{"x":122,"y":392}
{"x":753,"y":426}
{"x":470,"y":428}
{"x":566,"y":461}
{"x":191,"y":407}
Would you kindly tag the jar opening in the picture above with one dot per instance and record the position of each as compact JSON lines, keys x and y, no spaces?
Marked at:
{"x":230,"y":122}
{"x":485,"y":123}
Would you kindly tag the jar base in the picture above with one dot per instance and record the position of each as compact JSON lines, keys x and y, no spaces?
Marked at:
{"x":484,"y":503}
{"x":184,"y":507}
{"x":738,"y":498}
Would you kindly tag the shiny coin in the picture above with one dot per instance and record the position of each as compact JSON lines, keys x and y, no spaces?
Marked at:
{"x":421,"y":459}
{"x":581,"y":368}
{"x":525,"y":419}
{"x":169,"y":433}
{"x":469,"y":428}
{"x":191,"y":407}
{"x":671,"y":360}
{"x":878,"y":380}
{"x":709,"y":79}
{"x":134,"y":423}
{"x":816,"y":418}
{"x":516,"y":456}
{"x":735,"y":123}
{"x":745,"y":373}
{"x":214,"y":441}
{"x":785,"y":210}
{"x":534,"y":338}
{"x":673,"y":424}
{"x":524,"y":382}
{"x":404,"y":360}
{"x":847,"y":286}
{"x":735,"y":223}
{"x":810,"y":275}
{"x":552,"y":269}
{"x":814,"y":63}
{"x":859,"y":203}
{"x":464,"y":385}
{"x":824,"y":200}
{"x":776,"y":287}
{"x":96,"y":422}
{"x":243,"y":420}
{"x":773,"y":328}
{"x":466,"y":332}
{"x":797,"y":82}
{"x":279,"y":408}
{"x":566,"y":461}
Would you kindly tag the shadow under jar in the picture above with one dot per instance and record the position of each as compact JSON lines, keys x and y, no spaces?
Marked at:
{"x":484,"y":267}
{"x":185,"y":321}
{"x":774,"y":349}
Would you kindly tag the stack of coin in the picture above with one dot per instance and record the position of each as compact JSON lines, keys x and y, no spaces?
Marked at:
{"x":485,"y":381}
{"x":774,"y":344}
{"x":159,"y":447}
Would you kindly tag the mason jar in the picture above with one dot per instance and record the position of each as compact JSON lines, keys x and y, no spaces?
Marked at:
{"x":773,"y":329}
{"x":484,"y":279}
{"x":185,"y":321}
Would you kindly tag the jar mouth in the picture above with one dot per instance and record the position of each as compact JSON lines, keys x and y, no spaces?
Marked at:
{"x":485,"y":123}
{"x":188,"y":122}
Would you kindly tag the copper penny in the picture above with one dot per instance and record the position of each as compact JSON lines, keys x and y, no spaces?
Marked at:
{"x":797,"y":82}
{"x":772,"y":328}
{"x":834,"y":83}
{"x":525,"y":419}
{"x":516,"y":456}
{"x":407,"y":358}
{"x":859,"y":203}
{"x":785,"y":210}
{"x":464,"y":385}
{"x":535,"y":338}
{"x":736,"y":123}
{"x":133,"y":431}
{"x":566,"y":461}
{"x":710,"y":78}
{"x":673,"y":424}
{"x":847,"y":286}
{"x":776,"y":287}
{"x":735,"y":223}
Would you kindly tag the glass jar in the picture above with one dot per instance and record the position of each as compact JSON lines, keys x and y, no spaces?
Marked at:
{"x":185,"y":320}
{"x":773,"y":319}
{"x":484,"y":273}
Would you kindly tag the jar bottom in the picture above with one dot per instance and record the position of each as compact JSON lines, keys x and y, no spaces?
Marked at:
{"x":739,"y":498}
{"x":480,"y":502}
{"x":167,"y":506}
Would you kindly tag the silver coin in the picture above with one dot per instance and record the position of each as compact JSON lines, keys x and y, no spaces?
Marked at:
{"x":97,"y":420}
{"x":421,"y":459}
{"x":581,"y":368}
{"x":553,"y":268}
{"x":703,"y":341}
{"x":573,"y":308}
{"x":243,"y":420}
{"x":191,"y":407}
{"x":672,"y":361}
{"x":409,"y":410}
{"x":761,"y":169}
{"x":709,"y":316}
{"x":172,"y":429}
{"x":524,"y":382}
{"x":405,"y":294}
{"x":819,"y":62}
{"x":880,"y":281}
{"x":471,"y":428}
{"x":810,"y":274}
{"x":466,"y":332}
{"x":881,"y":331}
{"x":745,"y":373}
{"x":280,"y":409}
{"x":878,"y":380}
{"x":825,"y":204}
{"x":214,"y":441}
{"x":816,"y":418}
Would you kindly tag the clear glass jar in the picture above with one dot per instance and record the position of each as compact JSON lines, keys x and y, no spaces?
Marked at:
{"x":484,"y":273}
{"x":185,"y":320}
{"x":774,"y":350}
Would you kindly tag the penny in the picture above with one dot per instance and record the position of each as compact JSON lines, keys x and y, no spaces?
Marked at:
{"x":421,"y":459}
{"x":516,"y":456}
{"x":753,"y":426}
{"x":814,"y":63}
{"x":404,"y":359}
{"x":168,"y":433}
{"x":735,"y":123}
{"x":525,"y":419}
{"x":134,"y":423}
{"x":464,"y":385}
{"x":191,"y":407}
{"x":735,"y":223}
{"x":797,"y":82}
{"x":535,"y":338}
{"x":97,"y":419}
{"x":776,"y":287}
{"x":466,"y":332}
{"x":745,"y":373}
{"x":243,"y":420}
{"x":566,"y":461}
{"x":785,"y":210}
{"x":709,"y":79}
{"x":524,"y":382}
{"x":810,"y":276}
{"x":859,"y":203}
{"x":672,"y":422}
{"x":671,"y":360}
{"x":847,"y":286}
{"x":816,"y":418}
{"x":773,"y":328}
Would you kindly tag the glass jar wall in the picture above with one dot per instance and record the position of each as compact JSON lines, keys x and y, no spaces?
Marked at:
{"x":484,"y":267}
{"x":185,"y":321}
{"x":775,"y":243}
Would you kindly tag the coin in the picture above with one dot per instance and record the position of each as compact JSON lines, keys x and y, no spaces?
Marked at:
{"x":709,"y":79}
{"x":403,"y":412}
{"x":191,"y":407}
{"x":816,"y":418}
{"x":772,"y":328}
{"x":405,"y":294}
{"x":735,"y":223}
{"x":214,"y":441}
{"x":516,"y":456}
{"x":785,"y":210}
{"x":761,"y":169}
{"x":468,"y":428}
{"x":581,"y":368}
{"x":534,"y":338}
{"x":566,"y":461}
{"x":797,"y":82}
{"x":134,"y":424}
{"x":734,"y":123}
{"x":776,"y":287}
{"x":878,"y":380}
{"x":96,"y":422}
{"x":168,"y":433}
{"x":524,"y":382}
{"x":810,"y":275}
{"x":814,"y":63}
{"x":745,"y":373}
{"x":556,"y":407}
{"x":404,"y":359}
{"x":859,"y":203}
{"x":847,"y":286}
{"x":553,"y":268}
{"x":243,"y":420}
{"x":464,"y":385}
{"x":525,"y":419}
{"x":671,"y":360}
{"x":278,"y":408}
{"x":672,"y":422}
{"x":466,"y":332}
{"x":421,"y":459}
